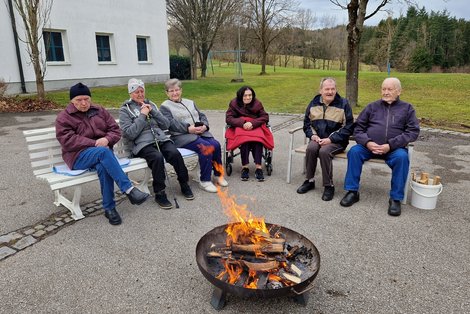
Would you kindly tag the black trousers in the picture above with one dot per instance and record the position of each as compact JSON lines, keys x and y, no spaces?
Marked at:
{"x":156,"y":161}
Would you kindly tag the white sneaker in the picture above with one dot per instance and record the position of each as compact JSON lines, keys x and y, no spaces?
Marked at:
{"x":208,"y":186}
{"x":220,"y":180}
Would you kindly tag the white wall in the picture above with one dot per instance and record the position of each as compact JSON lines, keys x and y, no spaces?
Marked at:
{"x":81,"y":20}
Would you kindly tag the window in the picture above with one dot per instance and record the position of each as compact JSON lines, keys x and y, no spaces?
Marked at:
{"x":54,"y":46}
{"x":142,"y":49}
{"x":103,"y":48}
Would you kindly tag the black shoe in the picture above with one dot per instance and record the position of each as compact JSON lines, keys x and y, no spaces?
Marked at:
{"x":162,"y":200}
{"x":328,"y":193}
{"x":137,"y":197}
{"x":186,"y":190}
{"x":306,"y":186}
{"x":245,"y":174}
{"x":113,"y":216}
{"x":259,"y":175}
{"x":350,"y":198}
{"x":394,"y":207}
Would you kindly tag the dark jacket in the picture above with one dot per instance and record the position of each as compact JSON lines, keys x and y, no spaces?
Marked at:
{"x":136,"y":126}
{"x":77,"y":131}
{"x":380,"y":122}
{"x":334,"y":121}
{"x":236,"y":114}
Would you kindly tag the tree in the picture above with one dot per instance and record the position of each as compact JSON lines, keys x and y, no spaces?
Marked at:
{"x":35,"y":16}
{"x":356,"y":18}
{"x":267,"y":19}
{"x":199,"y":21}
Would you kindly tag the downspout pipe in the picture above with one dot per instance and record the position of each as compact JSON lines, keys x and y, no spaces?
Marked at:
{"x":17,"y":46}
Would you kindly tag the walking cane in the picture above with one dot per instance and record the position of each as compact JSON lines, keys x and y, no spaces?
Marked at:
{"x":167,"y":178}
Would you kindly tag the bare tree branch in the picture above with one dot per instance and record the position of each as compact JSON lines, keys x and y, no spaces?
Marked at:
{"x":35,"y":16}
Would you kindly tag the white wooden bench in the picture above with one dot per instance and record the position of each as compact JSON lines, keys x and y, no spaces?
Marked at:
{"x":45,"y":153}
{"x":341,"y":156}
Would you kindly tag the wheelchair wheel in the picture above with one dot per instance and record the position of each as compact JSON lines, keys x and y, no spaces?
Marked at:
{"x":269,"y":169}
{"x":228,"y":169}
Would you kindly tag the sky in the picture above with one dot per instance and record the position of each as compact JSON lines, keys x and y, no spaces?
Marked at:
{"x":323,"y":8}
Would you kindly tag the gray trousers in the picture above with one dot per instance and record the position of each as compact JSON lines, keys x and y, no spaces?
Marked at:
{"x":325,"y":154}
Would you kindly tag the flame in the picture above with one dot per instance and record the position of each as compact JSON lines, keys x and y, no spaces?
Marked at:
{"x":233,"y":270}
{"x":252,"y":281}
{"x":244,"y":227}
{"x":274,"y":277}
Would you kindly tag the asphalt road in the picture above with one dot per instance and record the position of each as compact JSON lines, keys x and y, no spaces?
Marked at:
{"x":370,"y":262}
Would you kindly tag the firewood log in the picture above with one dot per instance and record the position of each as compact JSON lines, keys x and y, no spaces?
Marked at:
{"x":267,"y":248}
{"x":263,"y":266}
{"x":285,"y":275}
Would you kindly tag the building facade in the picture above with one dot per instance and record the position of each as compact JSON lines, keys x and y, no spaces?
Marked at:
{"x":99,"y":43}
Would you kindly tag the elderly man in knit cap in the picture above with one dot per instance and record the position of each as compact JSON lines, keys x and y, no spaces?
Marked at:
{"x":87,"y":133}
{"x":143,"y":124}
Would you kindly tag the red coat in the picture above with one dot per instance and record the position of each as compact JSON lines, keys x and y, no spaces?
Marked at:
{"x":237,"y":115}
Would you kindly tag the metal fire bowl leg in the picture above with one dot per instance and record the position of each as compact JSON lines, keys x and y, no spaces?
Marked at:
{"x":218,"y":298}
{"x":301,"y":299}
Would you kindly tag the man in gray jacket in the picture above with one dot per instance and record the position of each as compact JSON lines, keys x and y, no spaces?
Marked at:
{"x":143,"y":124}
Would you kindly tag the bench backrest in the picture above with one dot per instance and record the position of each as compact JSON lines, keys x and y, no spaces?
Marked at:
{"x":45,"y":150}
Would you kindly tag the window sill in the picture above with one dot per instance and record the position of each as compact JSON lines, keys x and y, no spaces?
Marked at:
{"x":144,"y":62}
{"x":107,"y":63}
{"x":58,"y":63}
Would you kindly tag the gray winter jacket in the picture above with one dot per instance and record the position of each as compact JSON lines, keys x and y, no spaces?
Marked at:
{"x":136,"y":127}
{"x":181,"y":115}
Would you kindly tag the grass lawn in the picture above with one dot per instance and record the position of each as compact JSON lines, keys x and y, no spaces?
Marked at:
{"x":440,"y":99}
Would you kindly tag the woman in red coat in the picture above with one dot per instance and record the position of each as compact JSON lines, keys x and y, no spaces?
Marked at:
{"x":247,"y":120}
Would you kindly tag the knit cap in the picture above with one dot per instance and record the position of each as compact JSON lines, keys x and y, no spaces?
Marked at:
{"x":79,"y":90}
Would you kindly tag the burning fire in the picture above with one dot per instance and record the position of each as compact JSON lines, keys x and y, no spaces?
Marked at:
{"x":248,"y":232}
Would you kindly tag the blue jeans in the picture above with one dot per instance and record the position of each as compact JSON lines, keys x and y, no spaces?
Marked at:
{"x":205,"y":161}
{"x":397,"y":160}
{"x":109,"y":171}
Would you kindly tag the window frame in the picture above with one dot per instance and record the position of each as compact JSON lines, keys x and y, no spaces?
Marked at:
{"x":147,"y":47}
{"x":111,"y":49}
{"x":64,"y":48}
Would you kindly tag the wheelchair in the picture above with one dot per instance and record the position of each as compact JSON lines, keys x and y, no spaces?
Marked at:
{"x":229,"y":155}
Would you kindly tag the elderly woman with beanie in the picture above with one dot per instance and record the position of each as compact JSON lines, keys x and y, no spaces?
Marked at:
{"x":143,"y":125}
{"x":247,"y":120}
{"x":87,"y":133}
{"x":189,"y":129}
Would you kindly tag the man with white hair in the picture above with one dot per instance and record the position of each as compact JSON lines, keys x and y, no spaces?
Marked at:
{"x":144,"y":125}
{"x":383,"y":130}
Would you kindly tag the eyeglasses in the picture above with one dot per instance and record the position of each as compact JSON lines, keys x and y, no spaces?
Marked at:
{"x":173,"y":90}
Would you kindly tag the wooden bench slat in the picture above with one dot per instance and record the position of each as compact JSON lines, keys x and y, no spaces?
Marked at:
{"x":46,"y":154}
{"x":41,"y":137}
{"x":44,"y":145}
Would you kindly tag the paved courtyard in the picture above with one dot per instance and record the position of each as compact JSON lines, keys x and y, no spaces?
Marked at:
{"x":370,"y":262}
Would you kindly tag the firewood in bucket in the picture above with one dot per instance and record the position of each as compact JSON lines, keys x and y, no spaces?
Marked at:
{"x":437,"y":180}
{"x":424,"y":179}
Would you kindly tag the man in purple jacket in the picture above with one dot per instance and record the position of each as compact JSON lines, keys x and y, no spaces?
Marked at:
{"x":87,"y":133}
{"x":383,"y":130}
